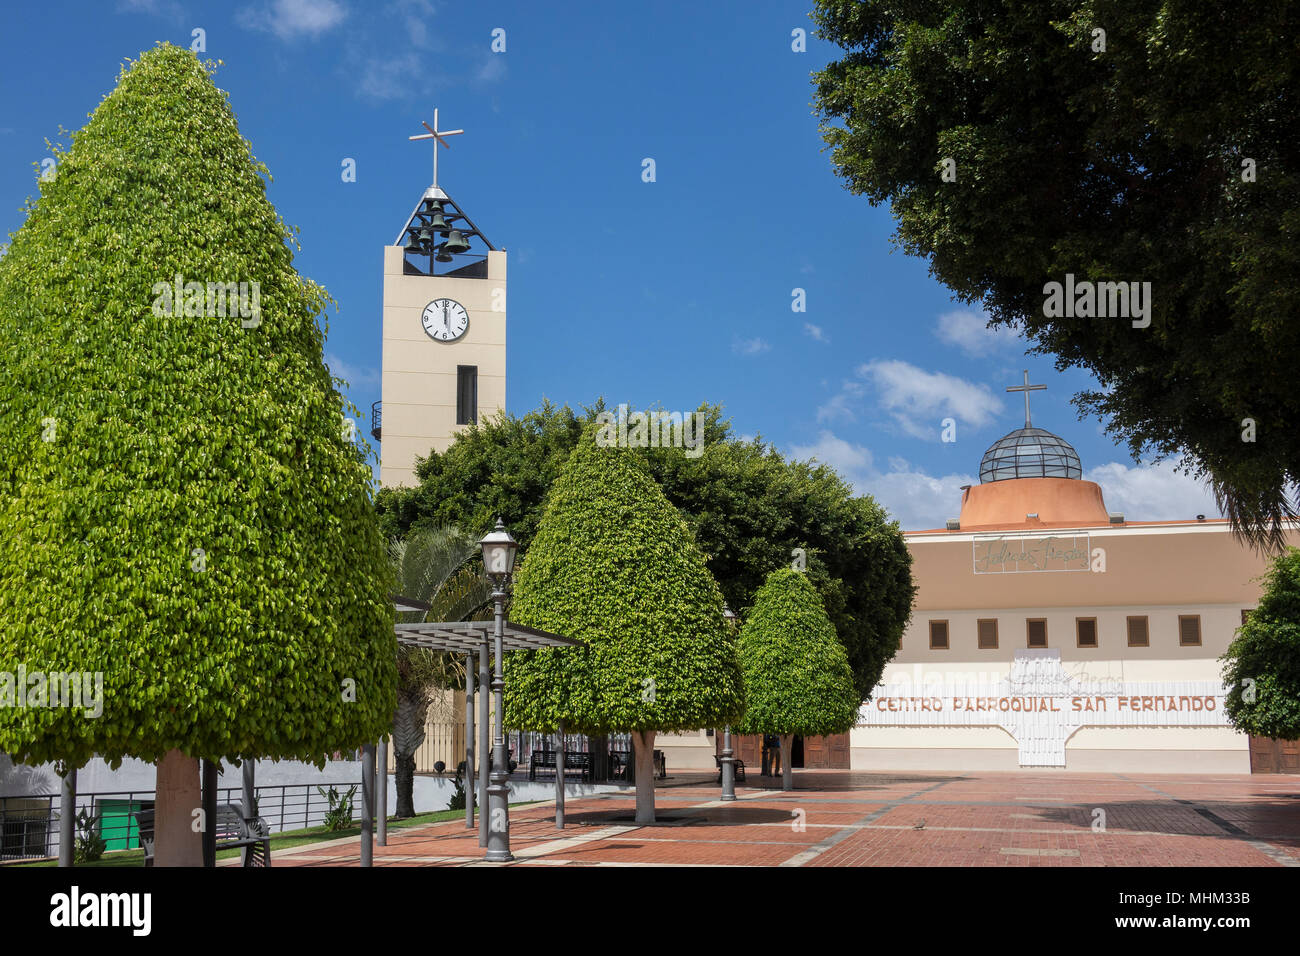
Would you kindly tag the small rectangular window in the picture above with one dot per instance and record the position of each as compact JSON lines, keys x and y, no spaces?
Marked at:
{"x":988,"y":634}
{"x":466,"y":394}
{"x":938,"y":635}
{"x":1087,"y":630}
{"x":1036,"y":628}
{"x":1189,"y":630}
{"x":1138,"y":634}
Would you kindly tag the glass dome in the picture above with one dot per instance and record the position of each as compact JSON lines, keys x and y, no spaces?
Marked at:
{"x":1030,"y":453}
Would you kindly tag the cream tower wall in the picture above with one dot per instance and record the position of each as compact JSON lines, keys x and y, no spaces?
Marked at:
{"x":419,"y":374}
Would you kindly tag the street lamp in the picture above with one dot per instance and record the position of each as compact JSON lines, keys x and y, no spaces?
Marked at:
{"x":499,"y":550}
{"x":728,"y":758}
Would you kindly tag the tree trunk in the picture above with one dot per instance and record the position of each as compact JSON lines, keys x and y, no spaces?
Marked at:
{"x":408,"y":735}
{"x":176,"y":841}
{"x":643,"y":753}
{"x":598,"y":747}
{"x":404,"y":776}
{"x":787,"y":772}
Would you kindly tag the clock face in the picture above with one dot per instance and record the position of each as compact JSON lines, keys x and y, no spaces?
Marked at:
{"x":445,"y":320}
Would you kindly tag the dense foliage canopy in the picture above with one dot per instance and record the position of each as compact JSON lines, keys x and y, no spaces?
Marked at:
{"x":747,"y":506}
{"x":184,"y":510}
{"x":797,"y":677}
{"x":614,"y":565}
{"x":1140,"y":141}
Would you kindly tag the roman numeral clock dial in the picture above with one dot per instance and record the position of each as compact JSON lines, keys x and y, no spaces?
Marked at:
{"x":445,"y":320}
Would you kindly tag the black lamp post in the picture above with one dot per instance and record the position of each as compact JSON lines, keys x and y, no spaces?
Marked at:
{"x":499,"y":550}
{"x":728,"y":758}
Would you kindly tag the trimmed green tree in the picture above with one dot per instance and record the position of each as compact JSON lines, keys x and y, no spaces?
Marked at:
{"x":797,"y":676}
{"x":614,"y":565}
{"x":185,"y":509}
{"x":1262,"y":664}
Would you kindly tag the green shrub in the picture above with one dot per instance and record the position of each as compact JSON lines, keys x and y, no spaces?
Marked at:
{"x":90,"y":845}
{"x":339,"y":814}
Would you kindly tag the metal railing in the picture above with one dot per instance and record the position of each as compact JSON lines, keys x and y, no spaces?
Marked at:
{"x":376,"y":419}
{"x":29,"y":826}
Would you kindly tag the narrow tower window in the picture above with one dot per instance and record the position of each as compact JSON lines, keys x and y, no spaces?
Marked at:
{"x":466,"y":394}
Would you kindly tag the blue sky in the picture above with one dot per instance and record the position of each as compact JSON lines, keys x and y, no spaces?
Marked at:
{"x":675,"y":291}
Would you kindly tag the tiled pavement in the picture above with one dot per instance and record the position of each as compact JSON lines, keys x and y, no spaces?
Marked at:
{"x":860,"y":818}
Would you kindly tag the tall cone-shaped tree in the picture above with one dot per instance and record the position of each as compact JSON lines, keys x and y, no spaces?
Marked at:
{"x":184,"y":510}
{"x":614,"y":565}
{"x":797,"y":674}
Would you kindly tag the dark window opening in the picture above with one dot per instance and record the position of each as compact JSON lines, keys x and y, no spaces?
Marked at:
{"x":466,"y":394}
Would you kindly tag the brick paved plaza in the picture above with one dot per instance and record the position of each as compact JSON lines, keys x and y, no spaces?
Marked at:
{"x":859,"y":818}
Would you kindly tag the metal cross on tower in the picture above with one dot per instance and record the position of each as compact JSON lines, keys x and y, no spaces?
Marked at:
{"x":1026,"y":388}
{"x":436,"y":135}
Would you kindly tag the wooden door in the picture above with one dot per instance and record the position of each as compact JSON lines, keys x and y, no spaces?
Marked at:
{"x":1274,"y":756}
{"x":826,"y":753}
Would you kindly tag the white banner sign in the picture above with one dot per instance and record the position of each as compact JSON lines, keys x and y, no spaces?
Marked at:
{"x":1041,"y":705}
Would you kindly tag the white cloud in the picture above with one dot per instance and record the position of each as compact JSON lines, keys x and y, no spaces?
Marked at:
{"x":388,"y":77}
{"x":969,"y":332}
{"x":842,"y":405}
{"x":919,"y":400}
{"x":917,"y":500}
{"x":413,"y":14}
{"x":851,"y":461}
{"x":1154,"y":492}
{"x":289,"y":19}
{"x":355,"y":376}
{"x":492,"y":70}
{"x":817,"y":332}
{"x":920,"y":501}
{"x":749,"y":346}
{"x":156,"y":7}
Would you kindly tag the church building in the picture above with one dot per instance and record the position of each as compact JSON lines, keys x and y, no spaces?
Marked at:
{"x":1049,"y":631}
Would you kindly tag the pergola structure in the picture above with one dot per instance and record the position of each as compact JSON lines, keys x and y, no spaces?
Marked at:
{"x":468,"y":638}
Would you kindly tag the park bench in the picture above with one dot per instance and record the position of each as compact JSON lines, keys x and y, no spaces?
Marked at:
{"x":739,"y":765}
{"x":545,"y":760}
{"x":621,"y":758}
{"x":252,"y":837}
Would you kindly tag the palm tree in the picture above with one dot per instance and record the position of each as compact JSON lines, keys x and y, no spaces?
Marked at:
{"x":436,"y":566}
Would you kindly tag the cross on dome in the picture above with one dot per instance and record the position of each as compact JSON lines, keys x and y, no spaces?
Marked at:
{"x":1026,"y":388}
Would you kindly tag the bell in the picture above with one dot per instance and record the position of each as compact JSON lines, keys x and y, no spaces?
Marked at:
{"x":412,"y":243}
{"x":456,"y":243}
{"x":443,"y":255}
{"x":426,"y":236}
{"x":439,"y":224}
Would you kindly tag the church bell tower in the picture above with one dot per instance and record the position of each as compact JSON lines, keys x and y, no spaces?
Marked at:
{"x":444,"y":357}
